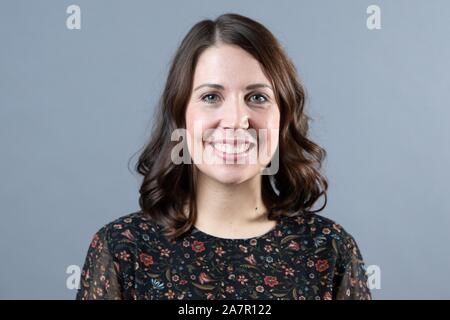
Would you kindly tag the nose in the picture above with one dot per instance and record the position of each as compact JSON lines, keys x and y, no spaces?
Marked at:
{"x":235,"y":115}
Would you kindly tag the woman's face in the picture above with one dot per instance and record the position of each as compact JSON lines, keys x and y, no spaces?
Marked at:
{"x":232,"y":118}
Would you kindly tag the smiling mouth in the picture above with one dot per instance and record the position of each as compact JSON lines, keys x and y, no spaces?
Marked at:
{"x":232,"y":149}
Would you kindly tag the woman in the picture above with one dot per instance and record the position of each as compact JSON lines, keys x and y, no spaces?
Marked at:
{"x":213,"y":224}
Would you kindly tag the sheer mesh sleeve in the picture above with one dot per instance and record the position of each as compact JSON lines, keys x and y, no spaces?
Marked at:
{"x":350,"y":281}
{"x":99,"y":277}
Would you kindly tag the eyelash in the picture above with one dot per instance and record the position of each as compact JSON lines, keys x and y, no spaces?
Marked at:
{"x":252,"y":95}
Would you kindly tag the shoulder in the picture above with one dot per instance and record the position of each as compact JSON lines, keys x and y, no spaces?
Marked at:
{"x":325,"y":233}
{"x":127,"y":230}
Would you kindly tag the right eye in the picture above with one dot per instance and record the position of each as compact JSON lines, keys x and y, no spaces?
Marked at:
{"x":210,"y":98}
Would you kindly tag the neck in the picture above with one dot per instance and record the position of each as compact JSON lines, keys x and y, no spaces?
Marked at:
{"x":230,"y":209}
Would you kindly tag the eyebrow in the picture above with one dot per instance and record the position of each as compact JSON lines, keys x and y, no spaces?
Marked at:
{"x":220,"y":87}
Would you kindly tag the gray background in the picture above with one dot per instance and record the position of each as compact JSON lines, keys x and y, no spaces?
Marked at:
{"x":76,"y":104}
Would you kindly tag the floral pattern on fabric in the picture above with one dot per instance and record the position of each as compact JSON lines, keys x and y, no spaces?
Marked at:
{"x":302,"y":257}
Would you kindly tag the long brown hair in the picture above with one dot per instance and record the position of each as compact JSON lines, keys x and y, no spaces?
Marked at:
{"x":167,"y":189}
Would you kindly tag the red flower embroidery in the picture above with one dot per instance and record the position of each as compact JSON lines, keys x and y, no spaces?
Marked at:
{"x":327,"y":296}
{"x":259,"y":289}
{"x":251,"y":259}
{"x":127,"y":234}
{"x":170,"y":294}
{"x":270,"y":281}
{"x":242,"y":279}
{"x":198,"y":246}
{"x":146,"y":259}
{"x":322,"y":265}
{"x":203,"y":277}
{"x":95,"y":241}
{"x":243,"y":248}
{"x":123,"y":255}
{"x":219,"y":251}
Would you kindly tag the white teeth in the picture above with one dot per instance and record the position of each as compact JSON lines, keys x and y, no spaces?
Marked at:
{"x":230,"y":149}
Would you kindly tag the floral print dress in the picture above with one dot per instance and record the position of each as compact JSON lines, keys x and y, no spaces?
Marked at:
{"x":302,"y":257}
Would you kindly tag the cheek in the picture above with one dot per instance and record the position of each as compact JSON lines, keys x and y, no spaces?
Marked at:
{"x":274,"y":129}
{"x":198,"y":126}
{"x":269,"y":123}
{"x":192,"y":118}
{"x":269,"y":138}
{"x":196,"y":123}
{"x":268,"y":119}
{"x":273,"y":125}
{"x":189,"y":119}
{"x":273,"y":119}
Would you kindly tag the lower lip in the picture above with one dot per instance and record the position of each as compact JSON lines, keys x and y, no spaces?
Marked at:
{"x":232,"y":157}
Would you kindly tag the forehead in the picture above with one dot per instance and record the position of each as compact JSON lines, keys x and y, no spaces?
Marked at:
{"x":230,"y":66}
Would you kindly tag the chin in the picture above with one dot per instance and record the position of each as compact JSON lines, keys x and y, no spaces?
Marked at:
{"x":230,"y":174}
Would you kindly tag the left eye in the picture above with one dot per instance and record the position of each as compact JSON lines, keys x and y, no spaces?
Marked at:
{"x":210,"y":98}
{"x":259,"y":98}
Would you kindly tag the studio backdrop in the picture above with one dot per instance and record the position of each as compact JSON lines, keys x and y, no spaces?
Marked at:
{"x":79,"y":82}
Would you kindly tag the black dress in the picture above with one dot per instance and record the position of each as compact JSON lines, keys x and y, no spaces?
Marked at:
{"x":302,"y":257}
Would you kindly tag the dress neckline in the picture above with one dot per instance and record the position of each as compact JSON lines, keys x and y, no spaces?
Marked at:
{"x":201,"y":235}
